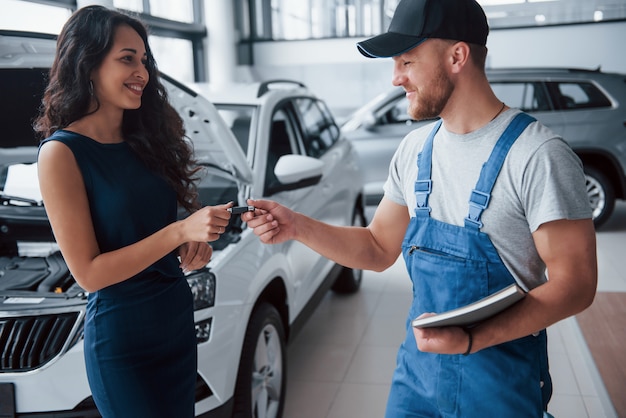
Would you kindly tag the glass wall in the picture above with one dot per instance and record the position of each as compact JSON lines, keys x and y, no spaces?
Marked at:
{"x":174,"y":56}
{"x":32,"y":17}
{"x":176,"y":28}
{"x":314,"y":19}
{"x":180,"y":11}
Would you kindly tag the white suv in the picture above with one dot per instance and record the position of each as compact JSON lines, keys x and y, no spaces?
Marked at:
{"x":249,"y":300}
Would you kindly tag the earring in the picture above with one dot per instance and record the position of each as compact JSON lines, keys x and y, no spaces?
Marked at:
{"x":91,"y":88}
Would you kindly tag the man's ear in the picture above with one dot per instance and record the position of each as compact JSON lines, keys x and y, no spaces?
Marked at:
{"x":459,"y":56}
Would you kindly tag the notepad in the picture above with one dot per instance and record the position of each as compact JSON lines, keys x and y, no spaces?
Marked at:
{"x":475,"y":312}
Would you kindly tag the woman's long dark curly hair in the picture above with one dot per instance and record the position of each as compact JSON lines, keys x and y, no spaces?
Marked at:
{"x":154,"y":131}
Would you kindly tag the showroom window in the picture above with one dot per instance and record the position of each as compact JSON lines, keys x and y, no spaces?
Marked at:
{"x":174,"y":56}
{"x":33,"y":17}
{"x":177,"y":29}
{"x":325,"y":18}
{"x":314,"y":19}
{"x":182,"y":12}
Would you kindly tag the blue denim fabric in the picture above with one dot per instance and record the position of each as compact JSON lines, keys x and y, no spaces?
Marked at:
{"x":452,"y":266}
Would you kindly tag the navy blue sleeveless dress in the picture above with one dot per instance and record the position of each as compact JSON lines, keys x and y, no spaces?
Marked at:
{"x":140,"y":346}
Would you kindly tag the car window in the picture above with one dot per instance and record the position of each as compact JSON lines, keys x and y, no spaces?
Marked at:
{"x":21,"y":89}
{"x":527,"y":96}
{"x":578,"y":95}
{"x":282,"y":142}
{"x":332,"y":130}
{"x":318,"y":126}
{"x":239,"y":119}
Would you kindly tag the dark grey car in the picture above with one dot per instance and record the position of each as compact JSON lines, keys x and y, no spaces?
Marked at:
{"x":586,"y":107}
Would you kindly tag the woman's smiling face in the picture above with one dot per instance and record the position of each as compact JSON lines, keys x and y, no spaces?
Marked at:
{"x":121,"y":77}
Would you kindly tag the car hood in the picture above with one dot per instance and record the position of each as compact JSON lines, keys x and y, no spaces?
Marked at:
{"x":214,"y":143}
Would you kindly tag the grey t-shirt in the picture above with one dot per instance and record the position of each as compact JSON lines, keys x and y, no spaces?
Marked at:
{"x":542,"y":180}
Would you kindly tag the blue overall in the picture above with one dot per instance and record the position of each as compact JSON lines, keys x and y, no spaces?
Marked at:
{"x":452,"y":266}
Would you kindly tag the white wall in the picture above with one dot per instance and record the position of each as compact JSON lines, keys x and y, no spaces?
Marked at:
{"x":335,"y":70}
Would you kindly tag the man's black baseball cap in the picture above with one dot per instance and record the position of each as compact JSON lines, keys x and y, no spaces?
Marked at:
{"x":417,"y":20}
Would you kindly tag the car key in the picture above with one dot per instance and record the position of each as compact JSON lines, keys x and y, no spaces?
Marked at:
{"x":236,"y":210}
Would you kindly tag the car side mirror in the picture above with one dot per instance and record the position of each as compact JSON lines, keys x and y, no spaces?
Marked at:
{"x":369,"y":121}
{"x":297,"y":171}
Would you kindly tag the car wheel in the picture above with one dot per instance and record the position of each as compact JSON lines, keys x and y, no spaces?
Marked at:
{"x":349,"y":280}
{"x":260,"y":389}
{"x":601,"y":195}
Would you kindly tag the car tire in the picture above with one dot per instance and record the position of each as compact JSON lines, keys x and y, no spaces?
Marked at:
{"x":261,"y":381}
{"x":601,"y":195}
{"x":349,"y":280}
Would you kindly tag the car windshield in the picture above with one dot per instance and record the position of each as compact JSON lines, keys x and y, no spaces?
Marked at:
{"x":216,"y":188}
{"x":239,"y":120}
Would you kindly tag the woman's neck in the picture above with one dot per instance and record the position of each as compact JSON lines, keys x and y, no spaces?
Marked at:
{"x":99,"y":127}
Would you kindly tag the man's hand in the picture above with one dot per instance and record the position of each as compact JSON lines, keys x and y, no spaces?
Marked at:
{"x":271,"y":222}
{"x":441,"y":340}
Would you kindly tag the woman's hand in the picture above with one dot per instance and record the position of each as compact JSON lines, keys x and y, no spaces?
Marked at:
{"x":206,"y":224}
{"x":194,"y":255}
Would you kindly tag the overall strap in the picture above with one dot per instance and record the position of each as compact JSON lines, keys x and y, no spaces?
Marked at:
{"x":480,"y":196}
{"x":424,"y":184}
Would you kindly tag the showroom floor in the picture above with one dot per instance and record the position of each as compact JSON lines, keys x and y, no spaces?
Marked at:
{"x":340,"y":365}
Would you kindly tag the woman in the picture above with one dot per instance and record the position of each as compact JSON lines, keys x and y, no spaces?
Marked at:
{"x":112,"y":170}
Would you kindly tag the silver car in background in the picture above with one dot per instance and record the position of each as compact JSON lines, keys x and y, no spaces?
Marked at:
{"x":586,"y":107}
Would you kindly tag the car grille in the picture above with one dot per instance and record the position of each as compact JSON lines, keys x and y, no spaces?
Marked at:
{"x":31,"y":341}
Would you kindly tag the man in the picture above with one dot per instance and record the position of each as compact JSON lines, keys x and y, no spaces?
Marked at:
{"x":527,"y":212}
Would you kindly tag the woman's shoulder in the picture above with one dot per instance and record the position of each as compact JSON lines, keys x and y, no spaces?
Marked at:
{"x":79,"y":142}
{"x":68,"y":135}
{"x":64,"y":136}
{"x":55,"y":152}
{"x":68,"y":144}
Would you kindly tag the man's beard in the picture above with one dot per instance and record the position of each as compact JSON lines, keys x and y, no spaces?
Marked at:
{"x":430,"y":103}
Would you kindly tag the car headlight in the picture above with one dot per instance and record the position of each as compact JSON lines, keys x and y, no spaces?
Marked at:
{"x":202,"y":284}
